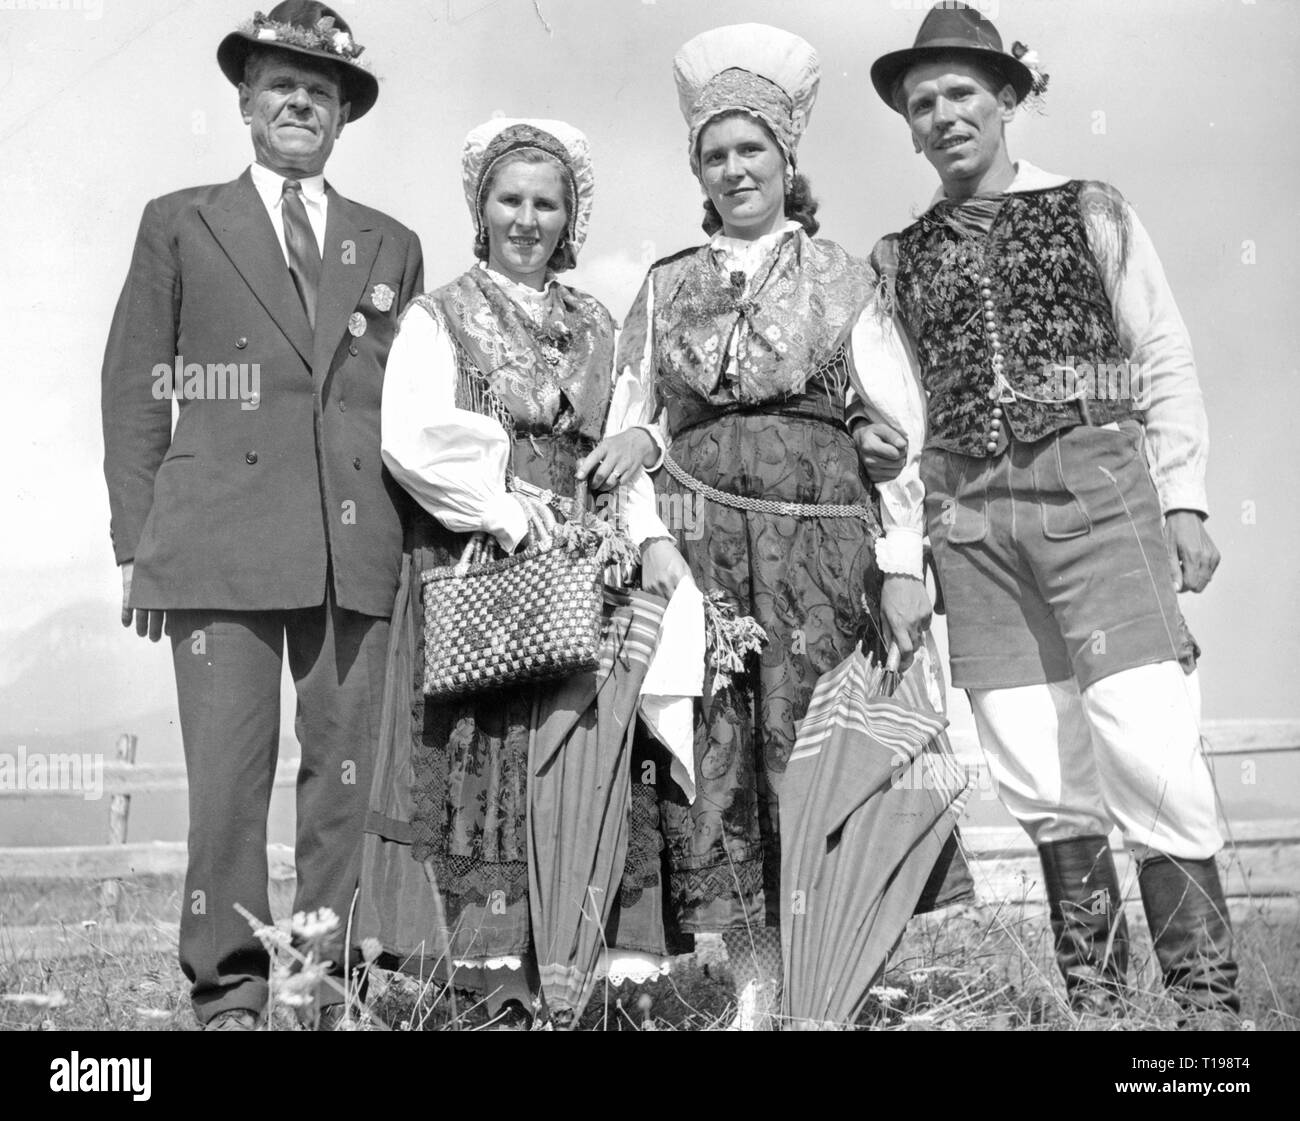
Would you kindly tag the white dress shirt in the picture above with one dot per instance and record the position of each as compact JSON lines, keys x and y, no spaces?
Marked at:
{"x":270,"y":188}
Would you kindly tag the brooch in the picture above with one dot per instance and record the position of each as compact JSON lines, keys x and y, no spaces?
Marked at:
{"x":382,"y":297}
{"x":356,"y":324}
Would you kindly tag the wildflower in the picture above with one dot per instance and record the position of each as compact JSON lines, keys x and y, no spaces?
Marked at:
{"x":296,"y":987}
{"x":371,"y":948}
{"x":311,"y":927}
{"x":56,"y":999}
{"x":888,"y":995}
{"x":273,"y":937}
{"x":729,"y":638}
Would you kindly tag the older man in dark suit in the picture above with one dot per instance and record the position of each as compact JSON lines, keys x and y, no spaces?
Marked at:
{"x":265,"y":521}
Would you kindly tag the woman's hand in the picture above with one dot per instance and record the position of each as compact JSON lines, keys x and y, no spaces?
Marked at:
{"x":906,"y":606}
{"x":882,"y":450}
{"x":617,"y":460}
{"x":662,"y":568}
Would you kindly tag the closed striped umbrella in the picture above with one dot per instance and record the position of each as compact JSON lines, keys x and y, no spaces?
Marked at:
{"x":871,"y":795}
{"x":579,"y":794}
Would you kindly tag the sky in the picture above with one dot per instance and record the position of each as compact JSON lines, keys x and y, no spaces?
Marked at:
{"x":1184,"y":106}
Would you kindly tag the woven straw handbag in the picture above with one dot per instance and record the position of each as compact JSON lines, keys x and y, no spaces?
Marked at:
{"x":515,"y":619}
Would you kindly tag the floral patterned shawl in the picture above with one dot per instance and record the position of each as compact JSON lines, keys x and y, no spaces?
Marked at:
{"x":568,"y":348}
{"x":768,"y":332}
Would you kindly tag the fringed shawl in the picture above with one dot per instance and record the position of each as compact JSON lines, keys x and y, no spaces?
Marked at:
{"x":528,"y":364}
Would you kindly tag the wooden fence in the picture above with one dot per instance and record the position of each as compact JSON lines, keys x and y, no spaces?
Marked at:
{"x":1261,"y":861}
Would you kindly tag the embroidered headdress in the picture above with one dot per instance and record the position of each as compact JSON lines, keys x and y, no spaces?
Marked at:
{"x":488,"y":144}
{"x":750,"y":68}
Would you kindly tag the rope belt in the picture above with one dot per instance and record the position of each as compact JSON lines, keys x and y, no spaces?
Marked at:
{"x":765,"y":505}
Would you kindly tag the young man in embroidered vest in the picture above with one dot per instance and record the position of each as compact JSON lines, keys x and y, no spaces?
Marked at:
{"x":1055,"y":364}
{"x":266,"y":521}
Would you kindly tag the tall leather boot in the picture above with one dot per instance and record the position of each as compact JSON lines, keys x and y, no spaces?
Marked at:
{"x":1088,"y":924}
{"x":1188,"y":916}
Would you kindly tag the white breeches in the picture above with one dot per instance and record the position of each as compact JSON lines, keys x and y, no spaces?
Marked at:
{"x":1125,"y":752}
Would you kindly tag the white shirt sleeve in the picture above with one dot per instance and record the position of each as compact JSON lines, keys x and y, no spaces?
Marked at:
{"x":452,"y":461}
{"x":884,"y":385}
{"x":631,"y":405}
{"x":1153,"y":334}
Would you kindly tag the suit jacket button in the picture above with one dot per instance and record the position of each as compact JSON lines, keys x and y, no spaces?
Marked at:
{"x":250,"y":457}
{"x":357,"y":463}
{"x":241,"y":342}
{"x":352,"y":350}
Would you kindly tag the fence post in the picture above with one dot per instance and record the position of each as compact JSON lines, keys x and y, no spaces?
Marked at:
{"x":119,"y":809}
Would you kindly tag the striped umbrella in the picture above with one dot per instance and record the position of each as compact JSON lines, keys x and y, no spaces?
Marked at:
{"x":579,"y":794}
{"x":871,"y":795}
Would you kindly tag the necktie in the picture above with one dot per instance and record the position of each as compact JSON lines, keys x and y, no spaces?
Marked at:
{"x":300,"y":240}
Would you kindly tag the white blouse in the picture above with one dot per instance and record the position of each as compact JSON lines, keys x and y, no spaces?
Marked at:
{"x":453,"y":461}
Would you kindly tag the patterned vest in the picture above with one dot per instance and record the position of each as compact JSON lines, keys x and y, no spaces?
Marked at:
{"x":1009,"y":324}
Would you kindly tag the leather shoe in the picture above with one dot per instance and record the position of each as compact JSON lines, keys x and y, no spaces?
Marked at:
{"x":233,"y":1019}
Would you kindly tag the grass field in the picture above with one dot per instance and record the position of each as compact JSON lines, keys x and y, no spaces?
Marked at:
{"x":978,"y":968}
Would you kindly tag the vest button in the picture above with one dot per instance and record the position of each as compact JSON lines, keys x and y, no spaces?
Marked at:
{"x":343,"y":406}
{"x":992,"y":446}
{"x":357,"y":463}
{"x":988,"y":304}
{"x":250,"y":457}
{"x":240,"y":343}
{"x":997,"y":412}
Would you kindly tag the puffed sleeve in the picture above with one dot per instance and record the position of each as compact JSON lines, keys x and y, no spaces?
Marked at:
{"x":452,"y":461}
{"x":634,"y":397}
{"x":884,"y":387}
{"x":1152,"y":332}
{"x":633,"y":405}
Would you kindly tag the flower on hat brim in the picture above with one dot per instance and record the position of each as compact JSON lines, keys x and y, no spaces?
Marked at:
{"x":322,"y":37}
{"x":323,"y":41}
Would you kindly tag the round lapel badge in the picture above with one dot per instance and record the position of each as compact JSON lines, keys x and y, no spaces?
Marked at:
{"x":382,"y":297}
{"x":357,"y":324}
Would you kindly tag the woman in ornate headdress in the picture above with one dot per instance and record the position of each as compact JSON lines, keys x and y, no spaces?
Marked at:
{"x":498,"y":383}
{"x":743,"y":348}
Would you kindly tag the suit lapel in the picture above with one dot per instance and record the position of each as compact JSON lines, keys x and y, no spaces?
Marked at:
{"x":351,"y":246}
{"x":240,"y":223}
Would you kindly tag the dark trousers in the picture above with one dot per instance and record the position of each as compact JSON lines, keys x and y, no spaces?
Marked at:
{"x":228,"y":666}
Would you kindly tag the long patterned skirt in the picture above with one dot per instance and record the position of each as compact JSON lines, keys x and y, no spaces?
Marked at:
{"x":806,"y":581}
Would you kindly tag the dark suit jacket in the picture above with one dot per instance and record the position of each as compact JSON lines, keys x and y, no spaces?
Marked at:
{"x":248,"y":508}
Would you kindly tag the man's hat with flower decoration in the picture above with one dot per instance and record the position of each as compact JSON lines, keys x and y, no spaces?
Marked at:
{"x":956,"y":30}
{"x":310,"y":30}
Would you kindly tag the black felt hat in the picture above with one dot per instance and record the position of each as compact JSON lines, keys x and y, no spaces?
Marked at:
{"x":309,"y":29}
{"x":952,"y":29}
